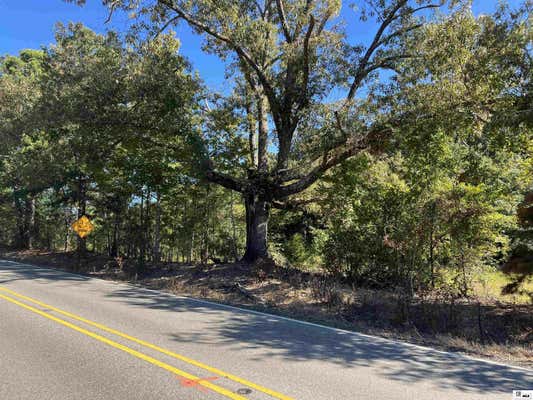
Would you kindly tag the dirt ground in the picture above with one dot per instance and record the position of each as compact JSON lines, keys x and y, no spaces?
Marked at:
{"x":479,"y":327}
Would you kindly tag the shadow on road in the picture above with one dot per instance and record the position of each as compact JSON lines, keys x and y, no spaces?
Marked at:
{"x":12,"y":271}
{"x":274,"y":338}
{"x":293,"y":341}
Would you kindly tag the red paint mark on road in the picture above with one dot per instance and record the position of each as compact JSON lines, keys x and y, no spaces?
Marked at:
{"x":196,"y":382}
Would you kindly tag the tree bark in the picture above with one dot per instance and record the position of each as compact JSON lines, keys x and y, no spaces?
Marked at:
{"x":115,"y":239}
{"x":19,"y":239}
{"x":67,"y":230}
{"x":233,"y":228}
{"x":157,"y":230}
{"x":204,"y":248}
{"x":142,"y":236}
{"x":257,"y":214}
{"x":29,"y":222}
{"x":191,"y":249}
{"x":262,"y":137}
{"x":82,"y":208}
{"x":25,"y":212}
{"x":252,"y":139}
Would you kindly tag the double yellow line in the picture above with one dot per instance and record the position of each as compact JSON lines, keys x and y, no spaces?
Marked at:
{"x":142,"y":356}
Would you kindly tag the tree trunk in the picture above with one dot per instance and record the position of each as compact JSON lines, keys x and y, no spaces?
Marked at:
{"x":252,"y":137}
{"x":262,"y":137}
{"x":29,"y":222}
{"x":20,"y":238}
{"x":114,"y":240}
{"x":431,"y":258}
{"x":204,"y":248}
{"x":257,"y":213}
{"x":191,"y":252}
{"x":142,"y":236}
{"x":67,"y":230}
{"x":157,"y":230}
{"x":82,"y":209}
{"x":233,"y":229}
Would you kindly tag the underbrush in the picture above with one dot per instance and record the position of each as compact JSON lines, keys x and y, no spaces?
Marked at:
{"x":486,"y":324}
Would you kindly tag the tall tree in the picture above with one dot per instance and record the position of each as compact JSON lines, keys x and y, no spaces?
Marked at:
{"x":103,"y":105}
{"x":19,"y":93}
{"x":291,"y":57}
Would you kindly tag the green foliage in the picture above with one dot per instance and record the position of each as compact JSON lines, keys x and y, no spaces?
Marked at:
{"x":440,"y":207}
{"x":120,"y":129}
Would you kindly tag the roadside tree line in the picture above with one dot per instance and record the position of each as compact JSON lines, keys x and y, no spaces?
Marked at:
{"x":401,"y":162}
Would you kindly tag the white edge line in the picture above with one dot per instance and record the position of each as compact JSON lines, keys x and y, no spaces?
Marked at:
{"x":244,"y":310}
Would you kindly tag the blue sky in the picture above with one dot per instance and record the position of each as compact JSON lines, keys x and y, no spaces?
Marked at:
{"x":30,"y":24}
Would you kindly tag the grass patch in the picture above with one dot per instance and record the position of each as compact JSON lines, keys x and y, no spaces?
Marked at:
{"x":489,"y":285}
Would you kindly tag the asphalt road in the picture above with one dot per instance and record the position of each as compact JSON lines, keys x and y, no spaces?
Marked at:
{"x":65,"y":337}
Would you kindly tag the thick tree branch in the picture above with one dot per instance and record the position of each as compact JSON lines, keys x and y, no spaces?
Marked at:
{"x":241,"y":53}
{"x":299,"y":172}
{"x":323,"y":22}
{"x":283,"y":21}
{"x":427,"y":6}
{"x":304,"y":98}
{"x":299,"y":25}
{"x":293,"y":205}
{"x":326,"y":164}
{"x":367,"y":141}
{"x":289,"y":174}
{"x":229,"y":182}
{"x":165,"y":26}
{"x":294,"y":95}
{"x":399,"y":32}
{"x":380,"y":40}
{"x":112,"y":8}
{"x":360,"y":74}
{"x":386,"y":63}
{"x":225,"y":180}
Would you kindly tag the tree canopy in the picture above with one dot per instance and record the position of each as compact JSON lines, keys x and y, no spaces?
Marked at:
{"x":385,"y":162}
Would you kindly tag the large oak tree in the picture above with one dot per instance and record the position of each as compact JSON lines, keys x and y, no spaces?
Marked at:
{"x":307,"y":97}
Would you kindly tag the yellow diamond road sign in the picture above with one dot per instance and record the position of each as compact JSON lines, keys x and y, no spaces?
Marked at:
{"x":83,"y":226}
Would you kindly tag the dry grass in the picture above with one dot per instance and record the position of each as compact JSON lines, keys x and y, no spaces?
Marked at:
{"x":489,"y":285}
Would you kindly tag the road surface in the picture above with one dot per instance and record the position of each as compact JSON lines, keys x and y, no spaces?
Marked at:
{"x":65,"y":337}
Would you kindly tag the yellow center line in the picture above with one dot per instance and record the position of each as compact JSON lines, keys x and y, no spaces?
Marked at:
{"x":128,"y":350}
{"x":153,"y":347}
